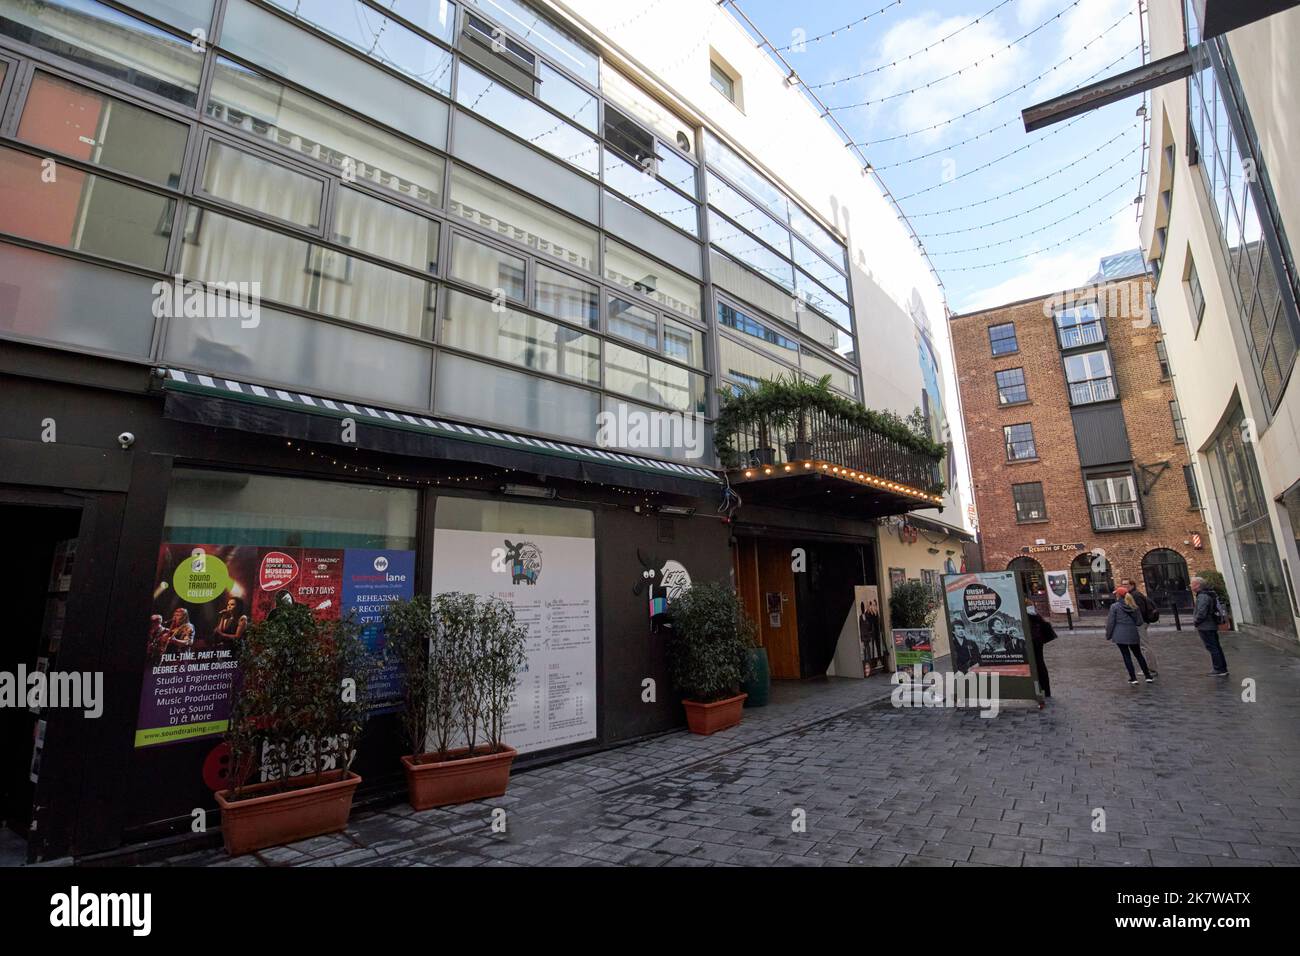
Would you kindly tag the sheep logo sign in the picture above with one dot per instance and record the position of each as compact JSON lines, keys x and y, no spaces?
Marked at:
{"x":525,"y":560}
{"x":662,"y":587}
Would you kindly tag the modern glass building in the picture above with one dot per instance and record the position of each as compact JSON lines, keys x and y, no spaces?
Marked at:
{"x":351,"y":299}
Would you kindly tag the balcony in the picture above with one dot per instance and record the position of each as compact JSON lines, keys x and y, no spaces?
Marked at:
{"x":796,"y":443}
{"x":1090,"y":390}
{"x":1115,"y":517}
{"x":1084,"y":333}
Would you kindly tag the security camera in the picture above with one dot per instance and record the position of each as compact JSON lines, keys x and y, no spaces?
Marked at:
{"x":126,"y":439}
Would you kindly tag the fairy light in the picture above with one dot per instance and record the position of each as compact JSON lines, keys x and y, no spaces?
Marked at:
{"x":842,"y":29}
{"x":1027,"y":255}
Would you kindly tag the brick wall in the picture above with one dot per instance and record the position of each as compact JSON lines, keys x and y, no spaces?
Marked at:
{"x":1144,"y":398}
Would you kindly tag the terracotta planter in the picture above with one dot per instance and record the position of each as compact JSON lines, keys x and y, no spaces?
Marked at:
{"x":710,"y":718}
{"x":267,"y":816}
{"x":460,"y":779}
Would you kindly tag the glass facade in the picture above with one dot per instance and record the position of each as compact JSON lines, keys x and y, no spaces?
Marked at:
{"x":313,"y":160}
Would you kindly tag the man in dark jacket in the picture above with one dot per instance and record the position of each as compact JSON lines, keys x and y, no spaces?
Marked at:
{"x":1040,"y":633}
{"x":1206,"y":622}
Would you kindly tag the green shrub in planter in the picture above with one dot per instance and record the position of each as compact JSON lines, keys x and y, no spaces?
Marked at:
{"x":913,"y":604}
{"x":1215,"y":580}
{"x":709,"y":653}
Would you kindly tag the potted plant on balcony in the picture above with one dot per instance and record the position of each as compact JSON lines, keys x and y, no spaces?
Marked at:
{"x":461,"y":656}
{"x":298,"y":710}
{"x":804,"y":396}
{"x":709,"y":655}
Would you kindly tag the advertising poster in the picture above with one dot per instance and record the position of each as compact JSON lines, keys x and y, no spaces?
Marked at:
{"x":1058,"y":591}
{"x":913,"y":647}
{"x":986,"y":621}
{"x":205,"y":598}
{"x":866,"y":598}
{"x":550,"y":581}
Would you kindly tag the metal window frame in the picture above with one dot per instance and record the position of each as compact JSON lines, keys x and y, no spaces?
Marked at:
{"x":1018,"y":500}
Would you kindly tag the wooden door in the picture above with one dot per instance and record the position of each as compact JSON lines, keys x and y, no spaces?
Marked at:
{"x":777,"y":622}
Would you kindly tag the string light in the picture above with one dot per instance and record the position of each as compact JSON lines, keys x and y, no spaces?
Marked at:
{"x":1018,"y":149}
{"x":1003,"y":242}
{"x":1023,"y":212}
{"x":924,"y":49}
{"x":1027,"y":255}
{"x":844,"y":29}
{"x":971,"y":66}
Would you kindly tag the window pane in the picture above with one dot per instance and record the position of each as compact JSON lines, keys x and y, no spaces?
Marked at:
{"x":476,"y":325}
{"x":648,"y":110}
{"x":745,"y":365}
{"x":565,"y":297}
{"x":818,"y":298}
{"x":820,"y":269}
{"x":435,"y":17}
{"x":683,"y":343}
{"x":257,"y":183}
{"x":818,"y":367}
{"x":103,"y":39}
{"x":647,"y":379}
{"x":642,"y":187}
{"x":94,"y":128}
{"x":378,"y":37}
{"x":487,"y":267}
{"x":555,"y":42}
{"x":83,"y":211}
{"x":745,"y":248}
{"x":385,"y":230}
{"x":219,"y":248}
{"x":265,"y":39}
{"x":633,"y":322}
{"x":641,"y":274}
{"x":518,"y":218}
{"x":488,"y":393}
{"x":746,"y":214}
{"x":765,"y":336}
{"x":566,"y":97}
{"x":827,"y":334}
{"x":263,"y":108}
{"x":730,"y":164}
{"x":722,"y":82}
{"x":817,"y":237}
{"x":495,"y":101}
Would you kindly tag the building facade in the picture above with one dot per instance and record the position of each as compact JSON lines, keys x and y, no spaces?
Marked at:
{"x":353,"y":300}
{"x":1218,"y":207}
{"x":1079,"y":455}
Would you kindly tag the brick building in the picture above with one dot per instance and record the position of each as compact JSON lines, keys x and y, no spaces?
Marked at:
{"x":1076,"y":444}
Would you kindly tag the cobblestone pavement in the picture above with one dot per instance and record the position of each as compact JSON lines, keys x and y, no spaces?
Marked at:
{"x":1186,"y":772}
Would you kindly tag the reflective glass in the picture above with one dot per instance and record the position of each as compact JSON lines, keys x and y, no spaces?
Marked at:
{"x":475,"y":391}
{"x":247,"y":180}
{"x":188,"y":15}
{"x":684,"y":343}
{"x":821,"y":270}
{"x":435,"y":17}
{"x":487,"y":267}
{"x":747,"y":366}
{"x":729,"y":163}
{"x":556,"y":43}
{"x":745,"y":248}
{"x":103,"y":39}
{"x":633,"y":322}
{"x":385,"y":230}
{"x":643,"y":188}
{"x":565,"y":297}
{"x":639,"y":104}
{"x":567,"y":97}
{"x":744,"y":213}
{"x":634,"y":271}
{"x":769,"y":338}
{"x":479,"y":326}
{"x":818,"y":238}
{"x":103,"y":130}
{"x":818,"y":367}
{"x":647,"y":379}
{"x":823,"y":301}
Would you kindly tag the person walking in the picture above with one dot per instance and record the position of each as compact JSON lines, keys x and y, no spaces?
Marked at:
{"x":1206,"y":622}
{"x":1040,"y":632}
{"x":1150,"y":614}
{"x":1122,"y":623}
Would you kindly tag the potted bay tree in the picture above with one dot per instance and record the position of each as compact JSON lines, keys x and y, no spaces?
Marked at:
{"x":709,"y":655}
{"x":298,"y":711}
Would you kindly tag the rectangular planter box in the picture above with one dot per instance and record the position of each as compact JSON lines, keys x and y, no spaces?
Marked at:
{"x":268,"y":816}
{"x":719,"y":715}
{"x":461,"y":779}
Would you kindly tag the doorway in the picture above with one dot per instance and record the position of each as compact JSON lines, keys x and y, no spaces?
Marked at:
{"x":1094,"y":585}
{"x":38,"y":577}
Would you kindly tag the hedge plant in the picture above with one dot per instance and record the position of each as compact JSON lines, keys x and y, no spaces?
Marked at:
{"x":708,"y":654}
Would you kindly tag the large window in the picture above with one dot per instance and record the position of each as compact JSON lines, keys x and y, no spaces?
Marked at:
{"x":553,"y":41}
{"x":1196,"y":294}
{"x":1002,"y":339}
{"x":488,"y":267}
{"x":1113,"y":500}
{"x":1090,"y":377}
{"x":245,"y":179}
{"x":647,"y":379}
{"x":565,"y":297}
{"x":1029,"y":502}
{"x":669,"y":289}
{"x":1079,"y":325}
{"x":385,"y":230}
{"x":764,"y":335}
{"x":484,"y":328}
{"x":1011,"y":386}
{"x":1019,"y":441}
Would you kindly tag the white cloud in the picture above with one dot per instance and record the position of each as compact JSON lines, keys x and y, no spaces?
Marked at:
{"x":1080,"y":26}
{"x":1064,"y":268}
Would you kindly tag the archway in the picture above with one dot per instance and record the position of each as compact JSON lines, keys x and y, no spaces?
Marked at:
{"x":1032,"y":579}
{"x":1167,"y":580}
{"x":1093,"y":582}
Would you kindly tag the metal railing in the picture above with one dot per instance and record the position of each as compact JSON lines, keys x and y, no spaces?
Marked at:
{"x":1092,"y":390}
{"x":1084,"y":333}
{"x":1109,"y":517}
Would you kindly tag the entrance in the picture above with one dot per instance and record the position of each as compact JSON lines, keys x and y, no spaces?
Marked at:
{"x":1032,"y":581}
{"x":1164,"y":572}
{"x":37,"y":573}
{"x":1094,"y":584}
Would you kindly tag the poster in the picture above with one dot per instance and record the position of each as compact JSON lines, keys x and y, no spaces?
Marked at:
{"x":551,"y":582}
{"x":1058,"y":591}
{"x":206,"y":597}
{"x":870,"y":628}
{"x":913,"y":647}
{"x":896,"y":577}
{"x":987,"y":623}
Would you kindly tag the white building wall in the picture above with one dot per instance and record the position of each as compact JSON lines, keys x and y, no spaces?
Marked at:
{"x":777,"y":129}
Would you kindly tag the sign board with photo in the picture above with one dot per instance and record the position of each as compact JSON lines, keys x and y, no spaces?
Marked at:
{"x":989,"y":630}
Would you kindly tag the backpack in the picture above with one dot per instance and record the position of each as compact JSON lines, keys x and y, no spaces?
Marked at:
{"x":1220,"y":611}
{"x":1155,"y":613}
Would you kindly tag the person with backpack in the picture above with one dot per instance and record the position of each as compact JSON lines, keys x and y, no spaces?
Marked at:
{"x":1122,"y":623}
{"x":1209,"y":615}
{"x":1150,"y":614}
{"x":1040,"y":632}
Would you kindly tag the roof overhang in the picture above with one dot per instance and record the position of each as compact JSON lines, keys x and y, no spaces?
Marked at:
{"x":827,"y":486}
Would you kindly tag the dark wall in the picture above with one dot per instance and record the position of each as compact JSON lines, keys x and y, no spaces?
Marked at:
{"x":628,"y":545}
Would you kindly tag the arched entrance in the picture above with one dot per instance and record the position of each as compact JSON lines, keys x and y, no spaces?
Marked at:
{"x":1032,"y":580}
{"x":1093,"y":582}
{"x":1167,"y":580}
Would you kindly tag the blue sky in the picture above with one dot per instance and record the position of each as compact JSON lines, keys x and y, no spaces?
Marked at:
{"x":1061,"y":201}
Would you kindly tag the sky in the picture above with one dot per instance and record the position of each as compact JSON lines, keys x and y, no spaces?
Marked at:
{"x":1062,"y":198}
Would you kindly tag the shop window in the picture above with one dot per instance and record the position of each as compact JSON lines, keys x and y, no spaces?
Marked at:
{"x":1031,"y":576}
{"x":102,"y":130}
{"x":1094,"y":582}
{"x":483,"y":327}
{"x":109,"y":42}
{"x":385,"y":230}
{"x":1113,"y":501}
{"x":247,"y":180}
{"x":83,"y":212}
{"x":488,"y":268}
{"x":1002,"y":339}
{"x":1167,"y":580}
{"x":1011,"y":386}
{"x":1029,"y":501}
{"x":287,"y":119}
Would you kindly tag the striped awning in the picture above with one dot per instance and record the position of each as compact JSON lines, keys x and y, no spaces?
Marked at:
{"x":406,"y":433}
